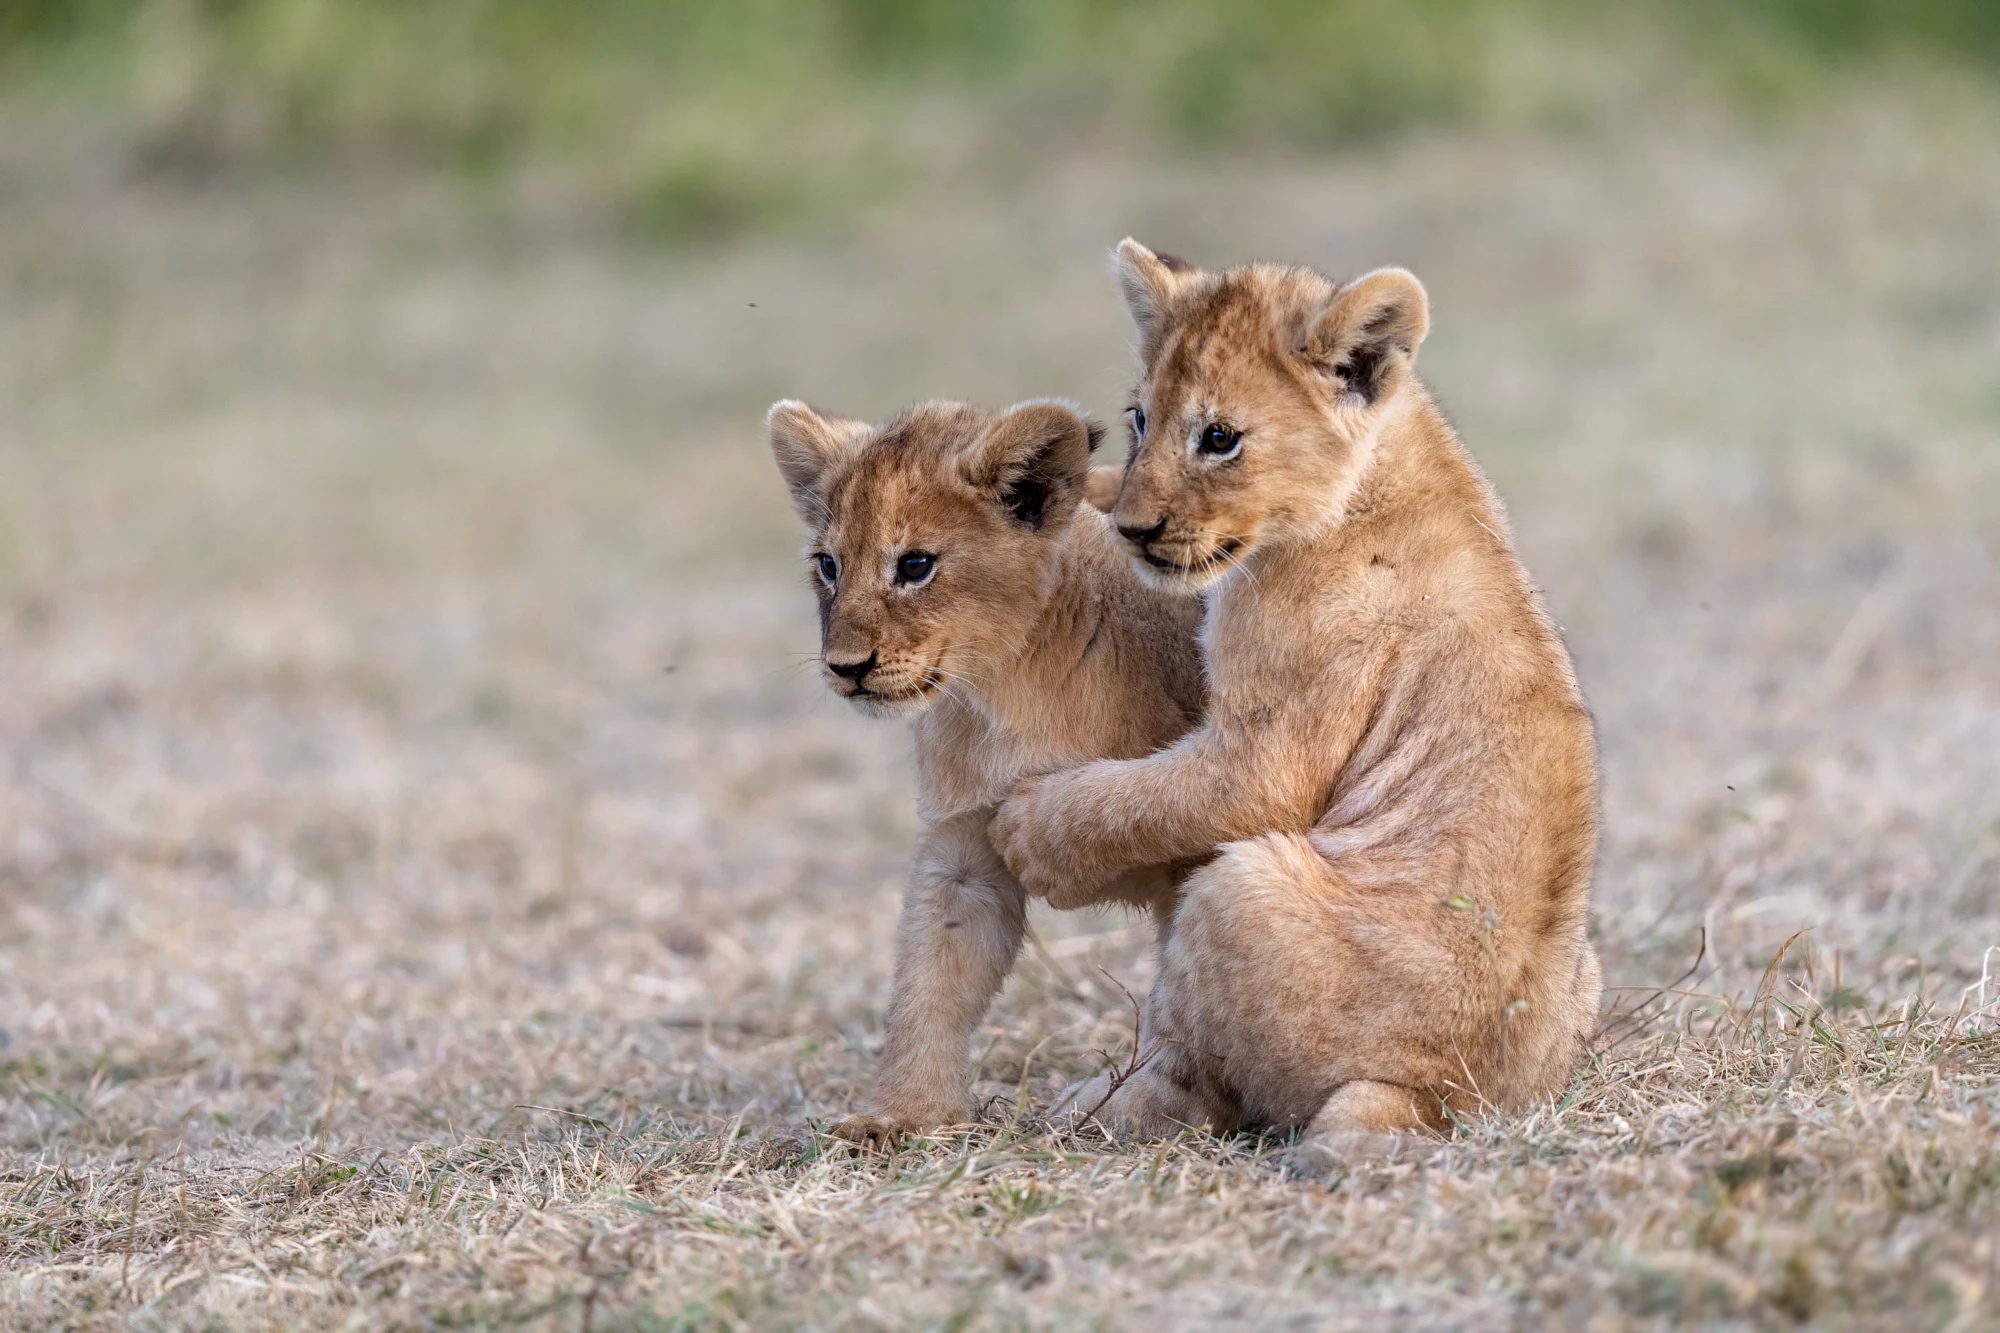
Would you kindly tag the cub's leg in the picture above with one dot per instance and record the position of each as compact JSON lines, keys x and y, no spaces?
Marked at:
{"x":961,"y":926}
{"x":1162,"y":1091}
{"x":1314,"y":1004}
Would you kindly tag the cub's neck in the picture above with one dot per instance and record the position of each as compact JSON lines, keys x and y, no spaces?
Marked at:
{"x":1057,"y":678}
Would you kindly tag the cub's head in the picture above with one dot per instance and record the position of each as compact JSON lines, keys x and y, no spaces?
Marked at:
{"x":1261,"y":393}
{"x":933,"y":538}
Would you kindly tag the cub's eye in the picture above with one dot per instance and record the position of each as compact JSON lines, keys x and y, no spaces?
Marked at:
{"x":1219,"y":441}
{"x":829,"y":568}
{"x":1138,"y":415}
{"x":915,"y":567}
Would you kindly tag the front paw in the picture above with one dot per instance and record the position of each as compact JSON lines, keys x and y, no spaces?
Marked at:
{"x":1024,"y":835}
{"x":885,"y":1130}
{"x":873,"y":1134}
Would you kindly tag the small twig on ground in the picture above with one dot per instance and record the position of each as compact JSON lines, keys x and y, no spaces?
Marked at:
{"x":1629,"y":1020}
{"x":1140,"y":1056}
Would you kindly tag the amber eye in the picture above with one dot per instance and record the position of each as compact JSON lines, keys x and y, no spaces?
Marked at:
{"x":829,"y":568}
{"x":1138,"y":415}
{"x":1219,"y":441}
{"x":915,"y":567}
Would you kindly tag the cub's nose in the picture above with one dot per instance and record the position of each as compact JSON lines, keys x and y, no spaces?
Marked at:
{"x":853,"y":671}
{"x":1139,"y":536}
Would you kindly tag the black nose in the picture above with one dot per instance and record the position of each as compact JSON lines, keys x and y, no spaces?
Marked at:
{"x":853,"y":671}
{"x":1142,"y":536}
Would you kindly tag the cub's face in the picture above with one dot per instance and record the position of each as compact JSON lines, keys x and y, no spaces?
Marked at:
{"x":1261,"y":391}
{"x":932,"y":538}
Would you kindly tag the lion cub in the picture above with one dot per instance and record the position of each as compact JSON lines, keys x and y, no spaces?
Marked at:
{"x":960,"y":580}
{"x":1396,"y":762}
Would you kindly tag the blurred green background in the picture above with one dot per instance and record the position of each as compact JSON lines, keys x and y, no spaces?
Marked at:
{"x":691,"y":120}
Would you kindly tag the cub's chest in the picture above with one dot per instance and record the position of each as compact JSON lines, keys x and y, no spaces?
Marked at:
{"x":1261,"y":637}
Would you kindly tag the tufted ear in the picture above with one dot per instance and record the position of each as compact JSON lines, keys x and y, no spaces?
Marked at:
{"x":1149,"y":281}
{"x":1032,"y":460}
{"x":1367,"y":337}
{"x":808,"y":444}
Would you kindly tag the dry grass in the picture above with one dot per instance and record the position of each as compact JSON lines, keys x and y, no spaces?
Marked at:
{"x":432,"y":895}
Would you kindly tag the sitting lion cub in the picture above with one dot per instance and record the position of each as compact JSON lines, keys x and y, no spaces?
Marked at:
{"x":1396,"y":762}
{"x":959,"y":578}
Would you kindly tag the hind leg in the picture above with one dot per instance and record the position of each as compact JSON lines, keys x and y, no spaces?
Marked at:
{"x":1164,"y":1092}
{"x":1316,"y":1005}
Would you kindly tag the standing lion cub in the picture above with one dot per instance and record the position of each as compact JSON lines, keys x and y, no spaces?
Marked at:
{"x":961,"y":580}
{"x":1396,"y":762}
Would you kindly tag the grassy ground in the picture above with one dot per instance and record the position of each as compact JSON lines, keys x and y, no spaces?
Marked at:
{"x":432,"y":893}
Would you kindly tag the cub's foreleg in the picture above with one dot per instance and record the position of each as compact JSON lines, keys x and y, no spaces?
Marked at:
{"x":1067,"y":834}
{"x":961,"y":927}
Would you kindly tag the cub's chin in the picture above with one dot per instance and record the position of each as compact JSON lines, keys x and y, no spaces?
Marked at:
{"x":906,"y":705}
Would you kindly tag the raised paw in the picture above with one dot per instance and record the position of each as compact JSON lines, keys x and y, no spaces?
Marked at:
{"x":1020,"y":835}
{"x":1031,"y":833}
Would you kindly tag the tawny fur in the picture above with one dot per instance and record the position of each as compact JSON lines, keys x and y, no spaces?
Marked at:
{"x":1031,"y":646}
{"x":1396,"y":762}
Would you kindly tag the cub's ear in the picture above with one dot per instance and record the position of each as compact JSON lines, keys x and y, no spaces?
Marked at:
{"x":1032,"y":460}
{"x":808,"y":444}
{"x":1367,"y":337}
{"x":1150,"y":282}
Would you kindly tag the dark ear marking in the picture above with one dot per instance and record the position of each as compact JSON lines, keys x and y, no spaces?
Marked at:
{"x":1368,"y":335}
{"x":1378,"y":328}
{"x":1032,"y":460}
{"x":1361,"y":370}
{"x":1027,"y":498}
{"x":1095,"y":429}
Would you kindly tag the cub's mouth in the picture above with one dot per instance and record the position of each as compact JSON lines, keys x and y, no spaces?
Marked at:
{"x":894,"y":698}
{"x":1199,"y":569}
